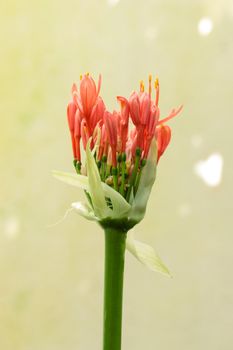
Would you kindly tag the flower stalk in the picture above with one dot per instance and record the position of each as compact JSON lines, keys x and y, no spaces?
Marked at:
{"x":115,"y":244}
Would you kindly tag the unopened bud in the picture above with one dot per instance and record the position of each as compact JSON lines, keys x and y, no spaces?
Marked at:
{"x":109,"y":180}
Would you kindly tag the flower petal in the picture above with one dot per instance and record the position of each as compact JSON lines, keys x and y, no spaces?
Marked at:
{"x":84,"y":210}
{"x":146,"y":182}
{"x":146,"y":255}
{"x":73,"y":179}
{"x":121,"y":207}
{"x":95,"y":188}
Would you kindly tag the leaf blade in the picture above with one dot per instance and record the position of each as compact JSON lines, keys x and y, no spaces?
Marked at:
{"x":147,"y":256}
{"x":72,"y":179}
{"x":145,"y":186}
{"x":95,"y":188}
{"x":84,"y":210}
{"x":121,"y":207}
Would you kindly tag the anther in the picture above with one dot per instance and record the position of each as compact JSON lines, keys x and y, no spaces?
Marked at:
{"x":142,"y":87}
{"x":150,"y":78}
{"x":157,"y":91}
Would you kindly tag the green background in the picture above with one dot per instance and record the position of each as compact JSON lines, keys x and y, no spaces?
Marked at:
{"x":51,"y":278}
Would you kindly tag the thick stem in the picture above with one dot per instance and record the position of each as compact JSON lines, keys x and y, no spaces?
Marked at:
{"x":115,"y":240}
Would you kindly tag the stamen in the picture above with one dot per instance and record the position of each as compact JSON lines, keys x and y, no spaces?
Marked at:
{"x":157,"y":91}
{"x":80,"y":77}
{"x":142,"y":86}
{"x":150,"y":79}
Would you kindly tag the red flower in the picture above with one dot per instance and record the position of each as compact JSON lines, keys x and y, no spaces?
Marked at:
{"x":115,"y":142}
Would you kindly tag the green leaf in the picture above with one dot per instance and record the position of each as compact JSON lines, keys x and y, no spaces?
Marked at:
{"x":146,"y":255}
{"x":145,"y":186}
{"x":121,"y":207}
{"x":84,"y":210}
{"x":95,"y":188}
{"x":73,"y":179}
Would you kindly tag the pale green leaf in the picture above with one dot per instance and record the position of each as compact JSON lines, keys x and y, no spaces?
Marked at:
{"x":72,"y":179}
{"x":145,"y":186}
{"x":97,"y":133}
{"x":84,"y":210}
{"x":121,"y":207}
{"x":146,"y":255}
{"x":95,"y":188}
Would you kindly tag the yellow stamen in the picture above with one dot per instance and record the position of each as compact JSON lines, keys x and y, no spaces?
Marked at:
{"x":150,"y":78}
{"x":142,"y":86}
{"x":80,"y":76}
{"x":87,"y":74}
{"x":157,"y":91}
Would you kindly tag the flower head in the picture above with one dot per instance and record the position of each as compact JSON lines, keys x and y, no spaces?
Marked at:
{"x":122,"y":148}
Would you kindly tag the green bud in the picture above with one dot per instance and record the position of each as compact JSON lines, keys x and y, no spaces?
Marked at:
{"x":138,"y":152}
{"x":114,"y":171}
{"x":123,"y":157}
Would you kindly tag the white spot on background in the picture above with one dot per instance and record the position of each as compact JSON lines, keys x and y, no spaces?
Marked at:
{"x":210,"y":170}
{"x":150,"y":33}
{"x":205,"y":26}
{"x":184,"y":210}
{"x":113,"y":3}
{"x":11,"y":227}
{"x":84,"y":287}
{"x":196,"y":141}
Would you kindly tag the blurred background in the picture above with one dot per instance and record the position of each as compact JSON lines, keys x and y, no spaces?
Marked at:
{"x":51,"y":277}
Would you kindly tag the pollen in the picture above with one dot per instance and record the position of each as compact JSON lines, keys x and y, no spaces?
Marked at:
{"x":80,"y":77}
{"x":142,"y":86}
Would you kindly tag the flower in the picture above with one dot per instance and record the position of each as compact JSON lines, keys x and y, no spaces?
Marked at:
{"x":122,"y":151}
{"x":122,"y":148}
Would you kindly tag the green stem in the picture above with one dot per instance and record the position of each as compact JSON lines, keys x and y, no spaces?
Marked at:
{"x":115,"y":178}
{"x":115,"y":240}
{"x":103,"y":168}
{"x":108,"y":171}
{"x":123,"y":168}
{"x":134,"y":173}
{"x":143,"y":163}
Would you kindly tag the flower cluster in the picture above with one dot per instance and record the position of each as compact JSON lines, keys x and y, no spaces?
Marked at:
{"x":121,"y":140}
